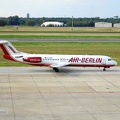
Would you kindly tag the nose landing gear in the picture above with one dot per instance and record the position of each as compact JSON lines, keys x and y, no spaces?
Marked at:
{"x":104,"y":69}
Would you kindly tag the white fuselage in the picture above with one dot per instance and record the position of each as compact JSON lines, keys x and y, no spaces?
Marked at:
{"x":67,"y":60}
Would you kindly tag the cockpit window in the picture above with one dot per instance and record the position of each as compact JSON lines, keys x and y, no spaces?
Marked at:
{"x":109,"y":59}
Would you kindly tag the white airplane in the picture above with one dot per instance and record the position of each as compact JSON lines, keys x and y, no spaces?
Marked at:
{"x":55,"y":61}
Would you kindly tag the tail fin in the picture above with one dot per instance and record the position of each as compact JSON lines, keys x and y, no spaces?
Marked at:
{"x":8,"y":49}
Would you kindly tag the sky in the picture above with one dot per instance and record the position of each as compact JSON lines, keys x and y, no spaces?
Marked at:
{"x":60,"y":8}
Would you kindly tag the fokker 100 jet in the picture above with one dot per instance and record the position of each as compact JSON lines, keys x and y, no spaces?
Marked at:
{"x":55,"y":61}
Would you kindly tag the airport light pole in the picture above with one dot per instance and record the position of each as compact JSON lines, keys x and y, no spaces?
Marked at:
{"x":72,"y":21}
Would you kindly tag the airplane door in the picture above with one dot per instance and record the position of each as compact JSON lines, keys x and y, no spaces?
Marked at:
{"x":104,"y":61}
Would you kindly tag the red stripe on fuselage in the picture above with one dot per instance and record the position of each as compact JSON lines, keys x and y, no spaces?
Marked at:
{"x":89,"y":65}
{"x":78,"y":65}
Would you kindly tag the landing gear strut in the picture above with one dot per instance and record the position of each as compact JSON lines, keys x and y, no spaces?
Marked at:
{"x":104,"y":69}
{"x":56,"y":69}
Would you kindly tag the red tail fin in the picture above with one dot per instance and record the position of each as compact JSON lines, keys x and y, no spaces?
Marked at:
{"x":8,"y":49}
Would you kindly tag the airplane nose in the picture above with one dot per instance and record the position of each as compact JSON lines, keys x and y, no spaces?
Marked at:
{"x":115,"y":62}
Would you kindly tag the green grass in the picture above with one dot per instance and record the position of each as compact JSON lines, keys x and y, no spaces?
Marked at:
{"x":109,"y":49}
{"x":58,"y":32}
{"x":57,"y":36}
{"x":59,"y":29}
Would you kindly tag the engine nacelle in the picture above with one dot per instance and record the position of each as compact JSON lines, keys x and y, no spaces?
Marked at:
{"x":32,"y":59}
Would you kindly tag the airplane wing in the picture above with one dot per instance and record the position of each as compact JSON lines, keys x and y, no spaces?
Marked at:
{"x":57,"y":65}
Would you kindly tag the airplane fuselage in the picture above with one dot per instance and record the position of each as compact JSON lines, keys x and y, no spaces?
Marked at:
{"x":68,"y":60}
{"x":55,"y":61}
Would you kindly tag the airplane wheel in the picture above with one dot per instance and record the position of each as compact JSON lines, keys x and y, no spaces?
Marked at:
{"x":104,"y":69}
{"x":56,"y":69}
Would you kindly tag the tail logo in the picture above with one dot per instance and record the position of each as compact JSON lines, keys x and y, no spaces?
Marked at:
{"x":12,"y":49}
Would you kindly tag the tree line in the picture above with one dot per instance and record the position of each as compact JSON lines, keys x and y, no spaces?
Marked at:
{"x":77,"y":22}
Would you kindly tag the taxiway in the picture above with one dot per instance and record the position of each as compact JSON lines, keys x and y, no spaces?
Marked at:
{"x":38,"y":93}
{"x":65,"y":40}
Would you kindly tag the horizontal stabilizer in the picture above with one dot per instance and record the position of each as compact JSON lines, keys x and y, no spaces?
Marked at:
{"x":3,"y":41}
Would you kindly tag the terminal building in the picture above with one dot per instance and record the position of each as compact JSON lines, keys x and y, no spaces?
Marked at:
{"x":117,"y":25}
{"x":52,"y":24}
{"x":103,"y":25}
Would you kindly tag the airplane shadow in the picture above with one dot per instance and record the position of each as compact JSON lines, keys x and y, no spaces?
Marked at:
{"x":74,"y":71}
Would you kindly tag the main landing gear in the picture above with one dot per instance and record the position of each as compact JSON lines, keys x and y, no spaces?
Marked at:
{"x":104,"y":69}
{"x":56,"y":69}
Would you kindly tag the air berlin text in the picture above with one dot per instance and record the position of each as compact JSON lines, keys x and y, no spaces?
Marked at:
{"x":85,"y":60}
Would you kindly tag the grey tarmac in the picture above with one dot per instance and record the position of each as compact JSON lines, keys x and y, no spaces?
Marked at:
{"x":38,"y":93}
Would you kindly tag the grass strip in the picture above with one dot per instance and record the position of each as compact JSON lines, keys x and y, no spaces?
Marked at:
{"x":57,"y":36}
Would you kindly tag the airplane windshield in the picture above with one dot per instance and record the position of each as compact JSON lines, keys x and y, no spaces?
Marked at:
{"x":109,"y":59}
